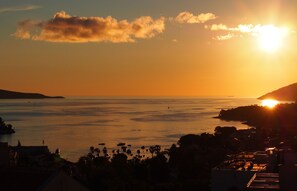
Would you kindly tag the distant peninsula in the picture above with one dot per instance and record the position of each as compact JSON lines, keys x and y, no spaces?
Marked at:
{"x":287,"y":93}
{"x":5,"y":94}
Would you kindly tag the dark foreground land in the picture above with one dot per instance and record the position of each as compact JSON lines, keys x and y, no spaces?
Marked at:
{"x":187,"y":165}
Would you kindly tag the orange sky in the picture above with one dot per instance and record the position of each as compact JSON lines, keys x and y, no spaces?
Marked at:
{"x":167,"y":51}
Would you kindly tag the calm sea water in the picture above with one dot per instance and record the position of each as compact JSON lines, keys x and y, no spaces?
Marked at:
{"x":75,"y":124}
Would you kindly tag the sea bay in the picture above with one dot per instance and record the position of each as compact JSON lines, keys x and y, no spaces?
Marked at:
{"x":76,"y":123}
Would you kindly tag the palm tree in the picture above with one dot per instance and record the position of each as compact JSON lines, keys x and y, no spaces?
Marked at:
{"x":105,"y":151}
{"x":152,"y":150}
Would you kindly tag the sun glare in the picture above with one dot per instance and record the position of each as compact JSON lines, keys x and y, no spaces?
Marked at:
{"x":271,"y":38}
{"x":269,"y":103}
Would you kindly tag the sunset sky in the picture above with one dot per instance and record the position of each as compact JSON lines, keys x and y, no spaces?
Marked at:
{"x":148,"y":47}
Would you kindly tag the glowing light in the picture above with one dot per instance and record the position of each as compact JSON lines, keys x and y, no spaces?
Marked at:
{"x":271,"y":38}
{"x":269,"y":103}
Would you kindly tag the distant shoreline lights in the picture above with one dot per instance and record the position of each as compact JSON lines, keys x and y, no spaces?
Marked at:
{"x":271,"y":103}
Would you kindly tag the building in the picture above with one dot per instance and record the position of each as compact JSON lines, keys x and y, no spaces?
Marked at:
{"x":238,"y":170}
{"x":7,"y":156}
{"x":264,"y":182}
{"x":30,"y":168}
{"x":4,"y":154}
{"x":31,"y":154}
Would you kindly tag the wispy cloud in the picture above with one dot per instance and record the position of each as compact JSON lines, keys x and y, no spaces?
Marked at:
{"x":224,"y":37}
{"x":245,"y":29}
{"x":66,"y":28}
{"x":21,"y":8}
{"x":190,"y":18}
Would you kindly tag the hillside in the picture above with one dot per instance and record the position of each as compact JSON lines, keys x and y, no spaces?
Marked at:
{"x":287,"y":93}
{"x":5,"y":94}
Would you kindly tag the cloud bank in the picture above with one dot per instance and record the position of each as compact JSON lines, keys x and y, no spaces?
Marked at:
{"x":23,"y":8}
{"x":66,"y":28}
{"x":74,"y":29}
{"x":190,"y":18}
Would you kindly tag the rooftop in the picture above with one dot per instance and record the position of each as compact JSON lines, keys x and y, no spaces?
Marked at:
{"x":264,"y":181}
{"x":252,"y":161}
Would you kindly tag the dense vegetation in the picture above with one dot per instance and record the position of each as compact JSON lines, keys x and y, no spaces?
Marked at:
{"x":185,"y":166}
{"x":5,"y":128}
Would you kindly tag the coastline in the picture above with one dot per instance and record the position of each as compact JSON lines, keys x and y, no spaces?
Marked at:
{"x":193,"y":161}
{"x":94,"y":120}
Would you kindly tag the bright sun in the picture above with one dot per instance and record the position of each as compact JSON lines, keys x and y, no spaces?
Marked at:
{"x":269,"y":103}
{"x":271,"y":37}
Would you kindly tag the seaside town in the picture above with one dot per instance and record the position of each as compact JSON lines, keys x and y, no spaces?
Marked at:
{"x":261,"y":158}
{"x":148,"y":95}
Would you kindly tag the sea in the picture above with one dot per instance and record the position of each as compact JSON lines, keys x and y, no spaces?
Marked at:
{"x":74,"y":124}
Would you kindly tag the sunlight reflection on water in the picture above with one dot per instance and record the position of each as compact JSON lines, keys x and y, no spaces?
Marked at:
{"x":75,"y":124}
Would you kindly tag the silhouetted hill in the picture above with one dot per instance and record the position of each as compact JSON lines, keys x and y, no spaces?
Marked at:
{"x":287,"y":93}
{"x":5,"y":94}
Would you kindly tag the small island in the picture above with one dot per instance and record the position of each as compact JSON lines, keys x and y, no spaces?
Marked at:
{"x":5,"y":128}
{"x":5,"y":94}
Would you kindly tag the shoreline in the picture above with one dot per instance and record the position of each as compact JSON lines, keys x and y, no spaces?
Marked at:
{"x":188,"y":163}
